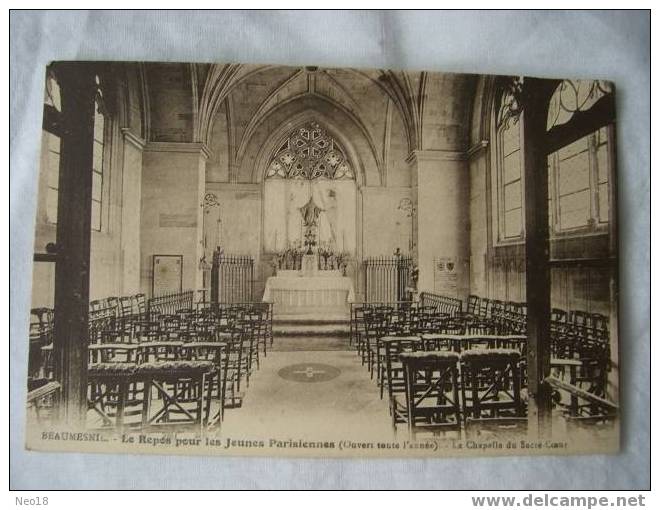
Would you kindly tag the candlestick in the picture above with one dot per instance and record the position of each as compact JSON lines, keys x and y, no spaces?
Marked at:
{"x":219,"y":240}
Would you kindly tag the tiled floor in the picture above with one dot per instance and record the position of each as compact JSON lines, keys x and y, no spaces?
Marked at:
{"x":347,"y":406}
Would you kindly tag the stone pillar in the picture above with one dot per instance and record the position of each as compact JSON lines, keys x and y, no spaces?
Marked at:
{"x":130,"y":211}
{"x":441,"y":218}
{"x":173,"y":186}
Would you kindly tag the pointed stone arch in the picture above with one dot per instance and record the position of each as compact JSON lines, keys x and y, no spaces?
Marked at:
{"x":279,"y":136}
{"x":308,"y":153}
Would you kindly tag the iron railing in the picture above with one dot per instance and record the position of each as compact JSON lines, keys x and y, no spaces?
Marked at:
{"x":386,"y":278}
{"x":168,"y":304}
{"x":232,"y":278}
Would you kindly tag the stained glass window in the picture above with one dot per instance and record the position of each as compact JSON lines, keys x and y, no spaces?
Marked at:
{"x":309,"y":152}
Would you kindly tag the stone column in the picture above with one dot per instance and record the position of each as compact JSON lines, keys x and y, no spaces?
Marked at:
{"x":441,"y":217}
{"x":131,"y":184}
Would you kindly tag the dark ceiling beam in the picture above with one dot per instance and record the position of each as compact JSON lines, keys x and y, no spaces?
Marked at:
{"x":581,"y":124}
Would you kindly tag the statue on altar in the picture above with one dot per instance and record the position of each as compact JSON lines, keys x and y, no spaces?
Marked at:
{"x":310,"y":213}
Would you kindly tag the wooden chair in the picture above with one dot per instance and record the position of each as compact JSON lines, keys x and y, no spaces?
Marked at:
{"x":500,"y":428}
{"x":376,"y":327}
{"x":112,"y":353}
{"x":115,"y":395}
{"x":362,"y":336}
{"x":264,"y":330}
{"x":252,"y":325}
{"x":356,"y":324}
{"x":218,"y":354}
{"x":392,"y":369}
{"x":485,"y":308}
{"x":126,"y":307}
{"x":140,"y":306}
{"x":43,"y":401}
{"x":497,"y":314}
{"x":431,"y":393}
{"x":237,"y":366}
{"x":436,"y":342}
{"x":429,"y":320}
{"x":112,"y":303}
{"x":147,"y":331}
{"x":158,"y":352}
{"x":41,"y":335}
{"x":176,"y":393}
{"x":473,"y":305}
{"x":558,"y":315}
{"x":490,"y":384}
{"x":583,"y":410}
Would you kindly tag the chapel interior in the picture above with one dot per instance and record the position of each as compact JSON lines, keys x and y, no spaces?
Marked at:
{"x":243,"y":249}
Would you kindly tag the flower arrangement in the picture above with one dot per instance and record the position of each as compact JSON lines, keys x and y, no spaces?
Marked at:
{"x":290,"y":258}
{"x":328,"y":259}
{"x":342,"y":261}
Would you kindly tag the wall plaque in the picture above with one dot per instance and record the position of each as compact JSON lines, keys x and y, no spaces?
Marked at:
{"x":167,"y":274}
{"x":177,"y":220}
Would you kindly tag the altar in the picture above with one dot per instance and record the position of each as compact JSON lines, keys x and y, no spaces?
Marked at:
{"x":310,"y":280}
{"x":319,"y":294}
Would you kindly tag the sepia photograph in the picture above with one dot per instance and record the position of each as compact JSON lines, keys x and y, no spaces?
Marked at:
{"x":316,"y":261}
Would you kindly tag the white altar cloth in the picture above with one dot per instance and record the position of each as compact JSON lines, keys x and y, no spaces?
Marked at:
{"x":295,"y":273}
{"x":293,"y":295}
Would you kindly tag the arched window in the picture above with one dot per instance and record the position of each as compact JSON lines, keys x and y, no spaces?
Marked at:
{"x":579,"y":172}
{"x":509,"y":164}
{"x":310,"y":165}
{"x":310,"y":153}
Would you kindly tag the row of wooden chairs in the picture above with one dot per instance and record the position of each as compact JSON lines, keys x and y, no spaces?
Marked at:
{"x":580,"y":357}
{"x":370,"y":323}
{"x":511,"y":317}
{"x":126,"y":380}
{"x":574,"y":334}
{"x":152,"y":394}
{"x":125,"y":339}
{"x":433,"y":389}
{"x":40,"y":370}
{"x":246,"y":328}
{"x":506,"y":317}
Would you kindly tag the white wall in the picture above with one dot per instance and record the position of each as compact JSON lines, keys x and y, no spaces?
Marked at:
{"x":171,"y":208}
{"x":442,"y":217}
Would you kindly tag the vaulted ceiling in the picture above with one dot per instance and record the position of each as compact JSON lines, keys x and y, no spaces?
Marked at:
{"x":184,"y":99}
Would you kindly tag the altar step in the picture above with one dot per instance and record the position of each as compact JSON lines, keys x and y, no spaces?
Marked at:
{"x":297,"y":326}
{"x":310,"y":332}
